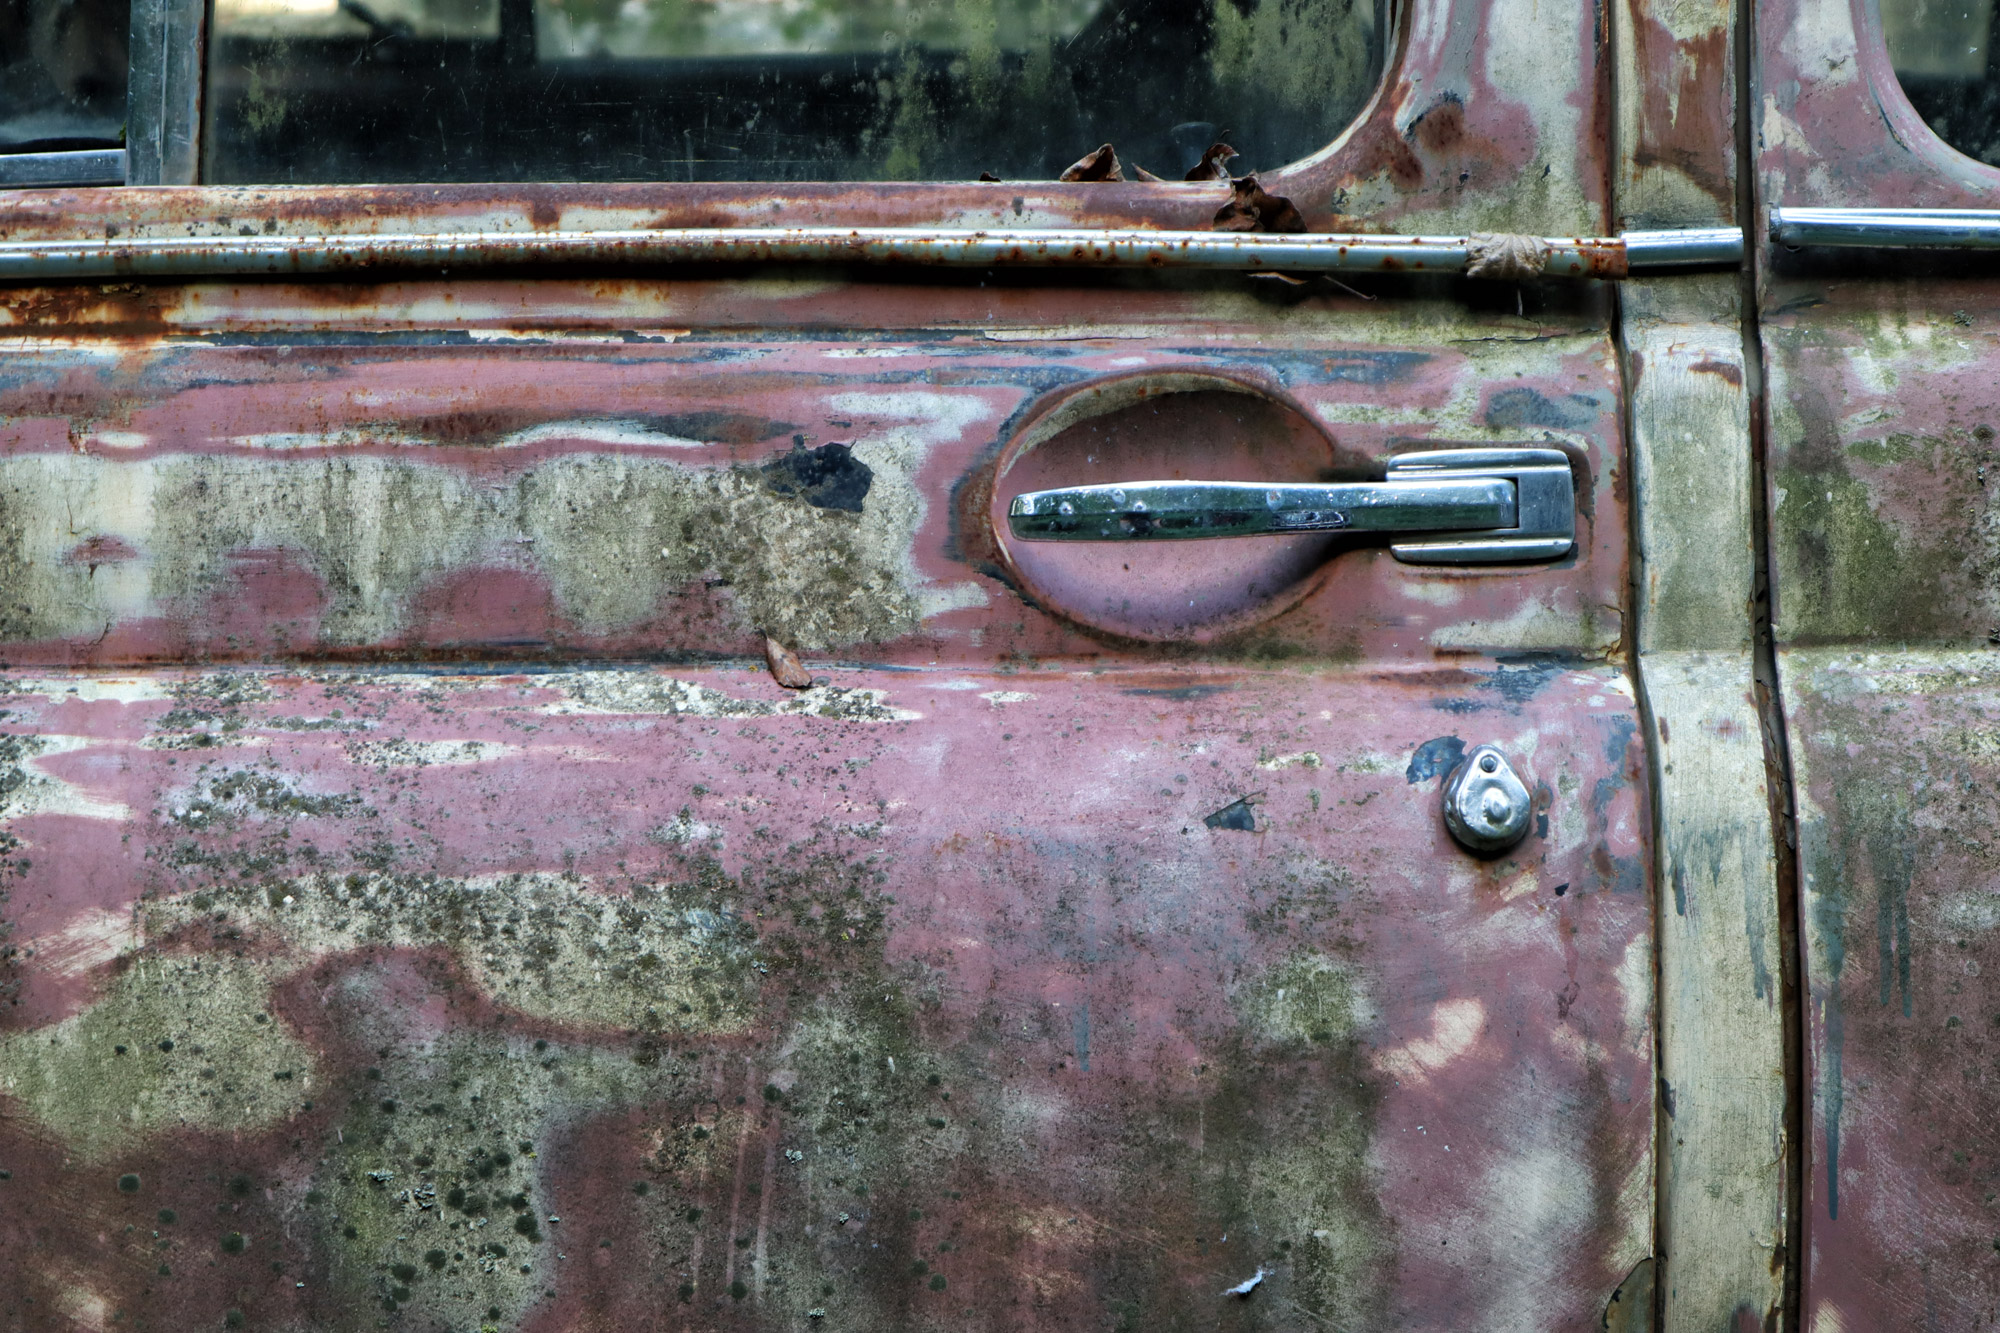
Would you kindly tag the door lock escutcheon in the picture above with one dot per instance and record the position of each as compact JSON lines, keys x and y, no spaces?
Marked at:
{"x":1459,"y":507}
{"x":1486,"y":805}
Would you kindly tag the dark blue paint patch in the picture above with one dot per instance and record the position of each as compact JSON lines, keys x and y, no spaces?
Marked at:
{"x":829,"y":477}
{"x":1562,"y":888}
{"x":1435,"y":758}
{"x":1680,"y":890}
{"x":1458,"y":705}
{"x":1622,"y":728}
{"x":1833,"y":1094}
{"x":1352,"y":366}
{"x":1894,"y":866}
{"x":1236,"y":815}
{"x":1667,"y":1098}
{"x":1519,"y":679}
{"x":1516,"y":409}
{"x":721,"y":427}
{"x":1373,"y":367}
{"x":1184,"y":693}
{"x":1826,"y":906}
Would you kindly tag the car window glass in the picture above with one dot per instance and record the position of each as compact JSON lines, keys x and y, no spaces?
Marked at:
{"x":708,"y":90}
{"x":62,"y":74}
{"x":1942,"y":51}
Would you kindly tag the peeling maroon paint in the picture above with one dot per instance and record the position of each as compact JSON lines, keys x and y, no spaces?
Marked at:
{"x":1496,"y":1015}
{"x":992,"y":1017}
{"x":1881,"y":418}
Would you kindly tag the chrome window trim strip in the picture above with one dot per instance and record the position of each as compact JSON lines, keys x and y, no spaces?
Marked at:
{"x":282,"y":255}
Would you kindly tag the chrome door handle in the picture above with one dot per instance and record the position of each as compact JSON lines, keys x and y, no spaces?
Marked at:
{"x":1473,"y":507}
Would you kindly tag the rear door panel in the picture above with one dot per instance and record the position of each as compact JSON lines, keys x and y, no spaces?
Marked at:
{"x":930,"y":999}
{"x":1881,"y":417}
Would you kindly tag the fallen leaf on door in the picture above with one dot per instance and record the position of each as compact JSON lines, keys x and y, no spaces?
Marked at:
{"x":785,"y":666}
{"x":1214,"y":164}
{"x":1251,"y":209}
{"x":1100,"y":165}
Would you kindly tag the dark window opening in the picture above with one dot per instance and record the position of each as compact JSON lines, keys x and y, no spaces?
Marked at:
{"x":62,"y":74}
{"x":1942,"y":51}
{"x":774,"y":90}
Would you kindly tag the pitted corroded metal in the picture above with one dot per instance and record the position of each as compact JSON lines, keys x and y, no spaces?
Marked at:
{"x":606,"y":993}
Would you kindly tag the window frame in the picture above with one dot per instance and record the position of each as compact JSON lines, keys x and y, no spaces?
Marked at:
{"x":1837,"y":130}
{"x":1442,"y":146}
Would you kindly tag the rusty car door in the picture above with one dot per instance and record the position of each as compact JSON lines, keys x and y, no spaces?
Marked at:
{"x":553,"y":779}
{"x":1878,"y":315}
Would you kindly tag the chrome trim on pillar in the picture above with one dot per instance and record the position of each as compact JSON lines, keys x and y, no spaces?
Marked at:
{"x":1888,"y":228}
{"x":1696,"y":247}
{"x":163,"y":92}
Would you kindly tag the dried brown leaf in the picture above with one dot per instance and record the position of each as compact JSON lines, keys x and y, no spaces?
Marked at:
{"x":785,"y":666}
{"x":1251,"y":209}
{"x":989,"y":176}
{"x":1139,"y":173}
{"x":1214,"y":164}
{"x":1101,"y":165}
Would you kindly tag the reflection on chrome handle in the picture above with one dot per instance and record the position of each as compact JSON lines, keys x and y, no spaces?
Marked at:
{"x":1496,"y":505}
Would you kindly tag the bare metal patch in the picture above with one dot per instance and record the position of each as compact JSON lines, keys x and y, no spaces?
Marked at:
{"x":610,"y":536}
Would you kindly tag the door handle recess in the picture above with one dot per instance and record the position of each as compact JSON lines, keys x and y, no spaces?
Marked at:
{"x":1460,"y":507}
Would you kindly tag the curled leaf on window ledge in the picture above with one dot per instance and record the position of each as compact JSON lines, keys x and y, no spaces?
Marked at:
{"x":1506,"y":257}
{"x":989,"y":178}
{"x":1250,"y":209}
{"x":1101,"y":165}
{"x":1214,"y":164}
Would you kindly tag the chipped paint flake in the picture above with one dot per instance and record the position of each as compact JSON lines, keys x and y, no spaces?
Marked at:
{"x":1455,"y":1029}
{"x":590,"y":692}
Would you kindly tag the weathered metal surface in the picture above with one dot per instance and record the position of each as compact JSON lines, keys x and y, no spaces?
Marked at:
{"x":225,"y":254}
{"x":643,"y":974}
{"x":1883,"y":411}
{"x":1882,"y":395}
{"x":1723,"y":1129}
{"x":1881,"y":417}
{"x":1835,"y":129}
{"x":242,"y":496}
{"x":925,"y":999}
{"x":1895,"y":760}
{"x":1676,"y":113}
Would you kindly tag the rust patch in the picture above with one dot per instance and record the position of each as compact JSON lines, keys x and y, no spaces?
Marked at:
{"x":1732,"y":373}
{"x":1684,"y":124}
{"x":1441,"y":127}
{"x":1387,"y":151}
{"x":95,"y":551}
{"x":104,"y":307}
